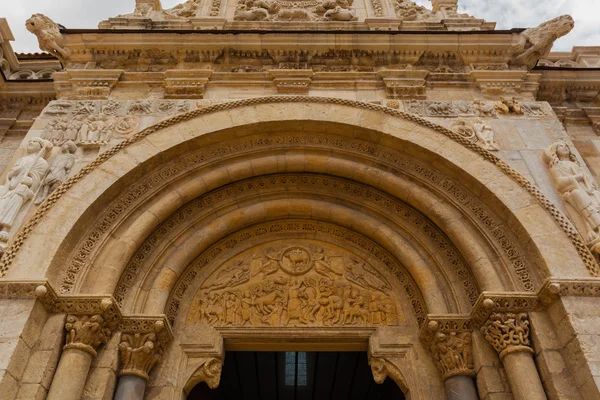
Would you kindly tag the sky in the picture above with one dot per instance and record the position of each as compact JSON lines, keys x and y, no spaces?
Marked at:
{"x":507,"y":13}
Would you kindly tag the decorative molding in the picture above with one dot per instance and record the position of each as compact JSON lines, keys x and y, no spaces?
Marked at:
{"x":88,"y":84}
{"x":561,"y":220}
{"x":292,"y":81}
{"x":186,"y":83}
{"x":402,"y":84}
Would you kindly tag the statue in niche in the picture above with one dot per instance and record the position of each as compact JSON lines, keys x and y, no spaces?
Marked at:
{"x":59,"y":171}
{"x":578,"y":190}
{"x":22,"y":181}
{"x":296,"y":285}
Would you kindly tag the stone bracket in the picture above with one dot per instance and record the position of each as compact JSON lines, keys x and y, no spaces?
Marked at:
{"x":292,"y":81}
{"x":499,"y":82}
{"x":89,"y":84}
{"x":186,"y":84}
{"x":404,"y":84}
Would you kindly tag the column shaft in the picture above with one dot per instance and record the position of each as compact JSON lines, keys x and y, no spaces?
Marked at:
{"x":523,"y":376}
{"x":460,"y":387}
{"x":71,"y":374}
{"x":130,"y":387}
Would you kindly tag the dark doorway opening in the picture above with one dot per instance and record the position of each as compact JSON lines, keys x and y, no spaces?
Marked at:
{"x":297,"y":376}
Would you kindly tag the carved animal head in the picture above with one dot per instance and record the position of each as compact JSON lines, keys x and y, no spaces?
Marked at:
{"x":559,"y":26}
{"x":39,"y":22}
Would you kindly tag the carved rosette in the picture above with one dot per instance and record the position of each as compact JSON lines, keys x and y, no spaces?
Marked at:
{"x":508,"y":333}
{"x":86,"y":333}
{"x":452,"y":353}
{"x":139,"y":353}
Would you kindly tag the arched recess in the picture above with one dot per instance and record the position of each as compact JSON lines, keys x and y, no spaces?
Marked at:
{"x":137,"y":221}
{"x":499,"y":228}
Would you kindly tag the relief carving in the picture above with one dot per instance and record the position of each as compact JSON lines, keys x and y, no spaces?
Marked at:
{"x":22,"y":182}
{"x":578,"y":190}
{"x":284,"y":10}
{"x":453,"y":353}
{"x":49,"y":37}
{"x":87,"y":129}
{"x":86,"y":333}
{"x":209,"y":371}
{"x":507,"y":333}
{"x":476,"y":131}
{"x":139,"y":353}
{"x":296,"y":285}
{"x":59,"y":171}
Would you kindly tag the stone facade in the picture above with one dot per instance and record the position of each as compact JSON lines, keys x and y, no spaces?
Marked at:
{"x":355,"y":174}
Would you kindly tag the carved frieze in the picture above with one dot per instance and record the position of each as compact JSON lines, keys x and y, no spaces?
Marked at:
{"x":286,"y":10}
{"x":296,"y":285}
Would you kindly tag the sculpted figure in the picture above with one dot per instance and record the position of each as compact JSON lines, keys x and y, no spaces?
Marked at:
{"x":486,"y":135}
{"x":187,"y":9}
{"x":340,"y":14}
{"x":411,"y":11}
{"x":255,"y":10}
{"x":144,"y":8}
{"x":578,"y":190}
{"x":537,"y":42}
{"x":59,"y":171}
{"x":49,"y":37}
{"x":22,"y":181}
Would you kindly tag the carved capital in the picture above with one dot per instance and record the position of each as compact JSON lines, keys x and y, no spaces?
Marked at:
{"x":452,"y":353}
{"x":86,"y":333}
{"x":508,"y":333}
{"x":139,"y":353}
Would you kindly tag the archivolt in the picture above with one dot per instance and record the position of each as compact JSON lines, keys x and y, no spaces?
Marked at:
{"x":400,"y":164}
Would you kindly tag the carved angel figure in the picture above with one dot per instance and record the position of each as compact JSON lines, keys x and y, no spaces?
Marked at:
{"x":22,"y":181}
{"x":578,"y":190}
{"x":537,"y":42}
{"x":49,"y":37}
{"x":59,"y":171}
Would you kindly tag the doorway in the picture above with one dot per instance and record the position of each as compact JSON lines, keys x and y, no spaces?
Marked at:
{"x":297,"y":376}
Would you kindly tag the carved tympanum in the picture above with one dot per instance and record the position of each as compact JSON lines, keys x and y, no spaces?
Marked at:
{"x":579,"y":192}
{"x":22,"y":182}
{"x":139,"y":353}
{"x":296,"y":285}
{"x":507,"y":332}
{"x":86,"y":333}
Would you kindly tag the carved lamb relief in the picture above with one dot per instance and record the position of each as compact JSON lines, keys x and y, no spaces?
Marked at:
{"x":296,"y":286}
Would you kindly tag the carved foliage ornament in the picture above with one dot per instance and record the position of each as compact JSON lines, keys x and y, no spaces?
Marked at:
{"x":139,"y":352}
{"x":296,"y":285}
{"x":507,"y":332}
{"x":86,"y":332}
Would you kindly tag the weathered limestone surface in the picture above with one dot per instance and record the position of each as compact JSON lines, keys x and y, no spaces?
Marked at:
{"x":347,"y":179}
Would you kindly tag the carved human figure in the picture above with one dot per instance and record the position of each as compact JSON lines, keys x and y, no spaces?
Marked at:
{"x":59,"y":171}
{"x":579,"y":191}
{"x":22,"y":181}
{"x":486,"y":135}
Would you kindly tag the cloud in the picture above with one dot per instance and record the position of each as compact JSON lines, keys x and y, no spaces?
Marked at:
{"x":507,"y":13}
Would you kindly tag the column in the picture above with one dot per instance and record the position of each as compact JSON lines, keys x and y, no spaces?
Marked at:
{"x":508,"y":333}
{"x":452,"y":353}
{"x":139,"y":352}
{"x":84,"y":334}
